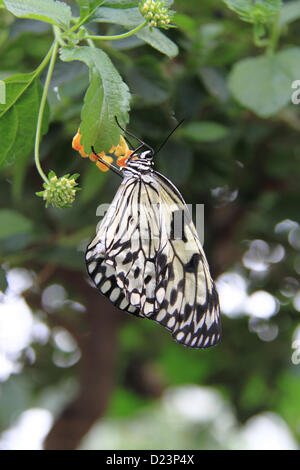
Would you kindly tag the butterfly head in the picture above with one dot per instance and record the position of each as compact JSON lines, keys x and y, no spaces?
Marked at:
{"x":147,"y":155}
{"x":140,"y":162}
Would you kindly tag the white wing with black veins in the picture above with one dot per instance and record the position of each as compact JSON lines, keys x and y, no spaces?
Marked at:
{"x":142,"y":268}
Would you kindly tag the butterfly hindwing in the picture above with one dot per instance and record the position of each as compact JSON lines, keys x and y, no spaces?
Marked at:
{"x":186,"y":294}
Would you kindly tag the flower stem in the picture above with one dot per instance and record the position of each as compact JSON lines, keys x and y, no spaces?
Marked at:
{"x":58,"y":37}
{"x":44,"y":62}
{"x":86,"y":18}
{"x":119,"y":36}
{"x":274,"y":37}
{"x":41,"y":111}
{"x":90,"y":42}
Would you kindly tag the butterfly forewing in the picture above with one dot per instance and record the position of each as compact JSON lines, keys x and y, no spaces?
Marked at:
{"x":99,"y":255}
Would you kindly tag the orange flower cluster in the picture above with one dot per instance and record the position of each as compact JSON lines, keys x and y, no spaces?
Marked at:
{"x":121,"y":151}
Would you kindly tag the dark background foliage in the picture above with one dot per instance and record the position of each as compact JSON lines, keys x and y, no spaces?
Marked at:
{"x":94,"y":364}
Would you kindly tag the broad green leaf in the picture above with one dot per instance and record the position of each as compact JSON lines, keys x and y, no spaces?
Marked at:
{"x":204,"y":131}
{"x":129,"y":17}
{"x":158,"y":41}
{"x":132,"y":17}
{"x":260,"y":11}
{"x":263,"y":84}
{"x":18,"y":116}
{"x":50,"y":11}
{"x":13,"y":223}
{"x":107,"y":96}
{"x":289,"y":12}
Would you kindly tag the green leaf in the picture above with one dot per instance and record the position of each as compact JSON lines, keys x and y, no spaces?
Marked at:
{"x":13,"y":223}
{"x":263,"y":84}
{"x":129,"y":3}
{"x":204,"y":131}
{"x":122,"y":3}
{"x":50,"y":11}
{"x":18,"y":116}
{"x":289,"y":12}
{"x":107,"y":96}
{"x":159,"y":41}
{"x":132,"y":17}
{"x":259,"y":11}
{"x":3,"y":280}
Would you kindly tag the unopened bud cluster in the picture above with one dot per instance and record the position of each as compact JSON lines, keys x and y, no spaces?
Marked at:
{"x":156,"y":14}
{"x":60,"y":192}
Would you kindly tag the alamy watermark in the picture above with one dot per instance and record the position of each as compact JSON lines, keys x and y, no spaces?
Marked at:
{"x":2,"y":92}
{"x":296,"y":94}
{"x":149,"y":222}
{"x":296,"y":354}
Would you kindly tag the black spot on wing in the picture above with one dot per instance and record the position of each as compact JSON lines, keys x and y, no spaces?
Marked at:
{"x":128,"y":258}
{"x":161,"y":260}
{"x":192,"y":265}
{"x":173,"y":296}
{"x":137,"y":272}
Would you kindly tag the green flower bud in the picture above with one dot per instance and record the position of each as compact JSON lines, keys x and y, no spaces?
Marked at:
{"x":156,"y":14}
{"x":60,"y":192}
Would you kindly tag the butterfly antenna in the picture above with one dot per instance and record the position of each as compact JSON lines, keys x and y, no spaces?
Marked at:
{"x":167,"y":138}
{"x":109,"y":165}
{"x":128,"y":142}
{"x":134,"y":136}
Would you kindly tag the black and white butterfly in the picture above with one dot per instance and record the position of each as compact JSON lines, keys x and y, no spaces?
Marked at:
{"x":136,"y":261}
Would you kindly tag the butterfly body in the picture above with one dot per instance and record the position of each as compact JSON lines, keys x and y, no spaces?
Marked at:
{"x":144,"y":267}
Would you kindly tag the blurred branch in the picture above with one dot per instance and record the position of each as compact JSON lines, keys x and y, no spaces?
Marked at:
{"x":96,"y":368}
{"x":97,"y":339}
